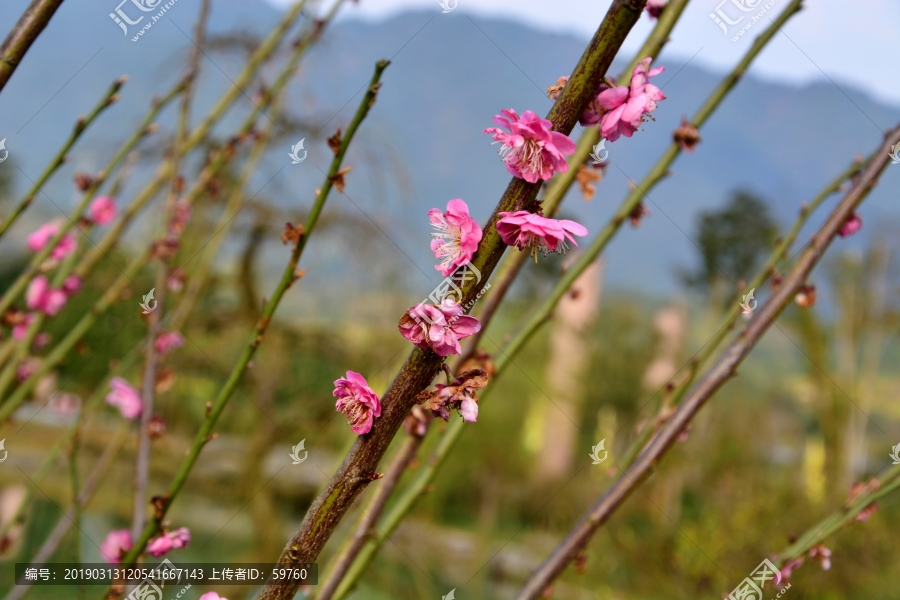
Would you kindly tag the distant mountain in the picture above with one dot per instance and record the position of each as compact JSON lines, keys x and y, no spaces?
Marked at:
{"x":422,"y":144}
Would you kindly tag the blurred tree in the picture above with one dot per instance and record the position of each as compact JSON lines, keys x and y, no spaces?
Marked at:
{"x":732,"y":240}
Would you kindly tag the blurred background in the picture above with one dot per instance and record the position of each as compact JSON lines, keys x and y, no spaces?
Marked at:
{"x":813,"y":411}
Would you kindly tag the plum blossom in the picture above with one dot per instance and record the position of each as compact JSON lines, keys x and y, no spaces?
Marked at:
{"x":851,"y":226}
{"x":523,"y":229}
{"x":117,"y":543}
{"x":72,"y":284}
{"x":42,"y":236}
{"x":124,"y":397}
{"x":358,"y":401}
{"x":173,"y":540}
{"x":40,"y":296}
{"x":212,"y":596}
{"x":438,"y":327}
{"x":457,"y":236}
{"x":460,"y":394}
{"x":822,"y":554}
{"x":654,"y":8}
{"x":531,"y":151}
{"x":620,"y":110}
{"x":102,"y":210}
{"x":787,"y":569}
{"x":168,"y":341}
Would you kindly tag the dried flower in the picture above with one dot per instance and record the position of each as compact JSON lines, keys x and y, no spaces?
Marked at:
{"x":531,"y":151}
{"x":523,"y":229}
{"x":358,"y":401}
{"x":587,"y":176}
{"x":457,"y":236}
{"x":156,"y":428}
{"x":292,"y":234}
{"x":438,"y":327}
{"x":334,"y":142}
{"x":460,"y":395}
{"x":687,"y":136}
{"x":806,"y":296}
{"x":338,"y":178}
{"x":554,"y":91}
{"x":637,"y":213}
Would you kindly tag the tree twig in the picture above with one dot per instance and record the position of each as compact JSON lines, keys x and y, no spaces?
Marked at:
{"x":27,"y":29}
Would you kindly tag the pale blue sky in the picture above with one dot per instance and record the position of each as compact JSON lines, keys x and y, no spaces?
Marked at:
{"x":854,"y":42}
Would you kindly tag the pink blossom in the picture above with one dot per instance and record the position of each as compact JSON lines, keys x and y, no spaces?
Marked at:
{"x":20,"y":330}
{"x":40,"y":238}
{"x":168,"y":341}
{"x":125,"y":398}
{"x":531,"y":151}
{"x":212,"y":596}
{"x":523,"y":229}
{"x":358,"y":401}
{"x":117,"y":543}
{"x":72,"y":284}
{"x":460,"y":394}
{"x":40,"y":296}
{"x":851,"y":226}
{"x":41,"y":340}
{"x":438,"y":327}
{"x":102,"y":210}
{"x":65,"y":404}
{"x":620,"y":110}
{"x":37,"y":240}
{"x":787,"y":569}
{"x":457,"y":236}
{"x":822,"y":554}
{"x":172,"y":540}
{"x":654,"y":8}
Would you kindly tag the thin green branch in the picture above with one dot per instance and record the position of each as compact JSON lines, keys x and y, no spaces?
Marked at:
{"x":81,"y":125}
{"x":288,"y":277}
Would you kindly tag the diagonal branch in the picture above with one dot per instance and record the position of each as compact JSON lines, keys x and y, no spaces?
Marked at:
{"x":27,"y":29}
{"x":715,"y":378}
{"x":360,"y":464}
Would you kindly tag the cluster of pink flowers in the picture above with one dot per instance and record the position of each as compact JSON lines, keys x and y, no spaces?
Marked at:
{"x":457,"y":237}
{"x":124,"y":397}
{"x":531,"y":151}
{"x":38,"y":240}
{"x":172,"y":540}
{"x":817,"y":552}
{"x":621,"y":110}
{"x":118,"y":542}
{"x":41,"y":297}
{"x":358,"y":401}
{"x":438,"y":327}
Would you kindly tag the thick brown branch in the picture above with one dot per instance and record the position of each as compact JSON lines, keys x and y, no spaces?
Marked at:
{"x":30,"y":25}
